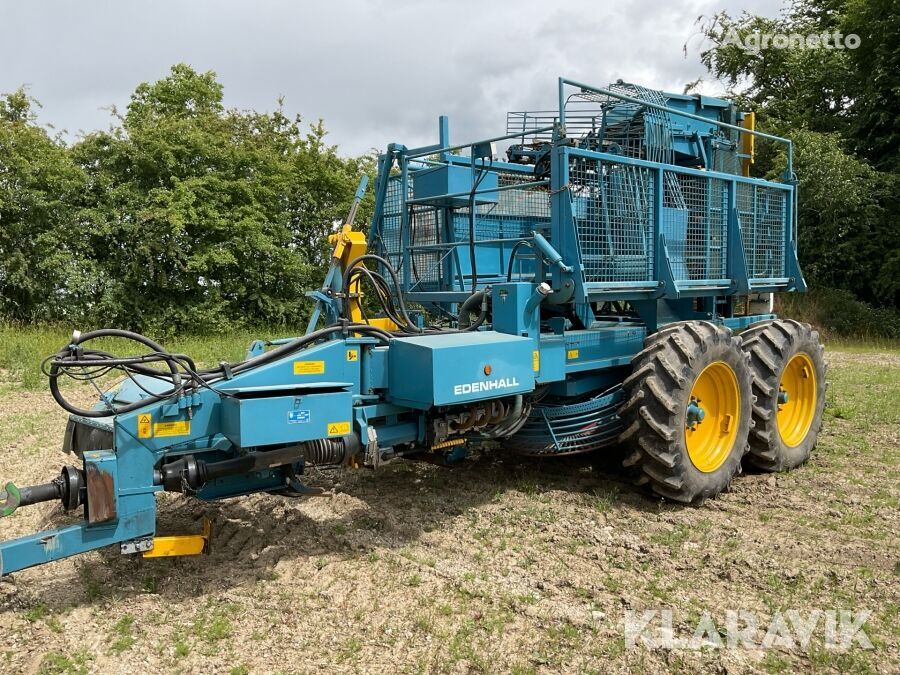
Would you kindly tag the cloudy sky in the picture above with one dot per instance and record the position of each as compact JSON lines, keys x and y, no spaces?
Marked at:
{"x":375,"y":70}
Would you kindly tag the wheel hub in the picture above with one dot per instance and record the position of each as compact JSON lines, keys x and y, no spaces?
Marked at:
{"x":712,"y":416}
{"x":796,"y":399}
{"x":695,"y":414}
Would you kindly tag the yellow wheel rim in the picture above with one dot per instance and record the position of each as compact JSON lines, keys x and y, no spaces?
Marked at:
{"x":709,"y":440}
{"x":796,"y":399}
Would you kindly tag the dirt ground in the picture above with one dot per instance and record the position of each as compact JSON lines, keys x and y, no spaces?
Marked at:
{"x":498,"y":565}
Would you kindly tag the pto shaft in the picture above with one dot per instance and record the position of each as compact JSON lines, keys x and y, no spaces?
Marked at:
{"x":68,"y":487}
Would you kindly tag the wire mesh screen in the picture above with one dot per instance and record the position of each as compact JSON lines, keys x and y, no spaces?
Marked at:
{"x":424,"y":233}
{"x":613,"y":204}
{"x":388,"y":239}
{"x":725,"y":157}
{"x":763,"y":217}
{"x":694,"y":223}
{"x":439,"y":235}
{"x":516,"y":214}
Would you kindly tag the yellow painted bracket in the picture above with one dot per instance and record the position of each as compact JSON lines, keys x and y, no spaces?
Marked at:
{"x":349,"y":244}
{"x":182,"y":544}
{"x":748,"y":142}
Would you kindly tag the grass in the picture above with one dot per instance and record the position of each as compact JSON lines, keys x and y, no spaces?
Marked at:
{"x":213,"y":623}
{"x":23,"y":348}
{"x":122,"y":634}
{"x":57,"y":663}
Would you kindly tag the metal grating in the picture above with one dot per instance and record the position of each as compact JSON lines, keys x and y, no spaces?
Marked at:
{"x":613,"y":206}
{"x":763,"y":217}
{"x":694,"y":224}
{"x":388,"y":243}
{"x":425,"y":224}
{"x":439,"y":254}
{"x":725,"y":148}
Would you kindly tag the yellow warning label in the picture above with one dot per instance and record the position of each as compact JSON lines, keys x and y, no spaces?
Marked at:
{"x":353,"y":355}
{"x":172,"y":428}
{"x":309,"y":367}
{"x":338,"y":428}
{"x":536,"y":360}
{"x":572,"y":354}
{"x":145,"y":425}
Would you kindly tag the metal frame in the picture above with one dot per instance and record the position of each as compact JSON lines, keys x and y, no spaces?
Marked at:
{"x":735,"y":232}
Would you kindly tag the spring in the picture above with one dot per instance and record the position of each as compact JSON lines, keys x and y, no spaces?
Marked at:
{"x":325,"y":451}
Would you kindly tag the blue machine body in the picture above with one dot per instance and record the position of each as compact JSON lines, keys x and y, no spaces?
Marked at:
{"x":621,"y":197}
{"x":459,"y":368}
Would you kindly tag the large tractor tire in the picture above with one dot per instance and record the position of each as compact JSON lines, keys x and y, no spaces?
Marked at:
{"x":687,"y":411}
{"x":788,"y":366}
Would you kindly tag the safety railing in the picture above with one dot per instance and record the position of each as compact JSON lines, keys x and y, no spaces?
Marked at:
{"x":624,"y":209}
{"x":635,"y":223}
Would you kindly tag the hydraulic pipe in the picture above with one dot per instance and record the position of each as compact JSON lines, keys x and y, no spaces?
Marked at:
{"x":550,"y":254}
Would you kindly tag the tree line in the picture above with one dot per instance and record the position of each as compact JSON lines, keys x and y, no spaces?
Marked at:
{"x":183,"y":216}
{"x":840,"y":108}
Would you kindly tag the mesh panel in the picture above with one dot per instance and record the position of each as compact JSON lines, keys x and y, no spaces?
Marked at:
{"x":390,"y":223}
{"x":695,"y":226}
{"x":424,"y":227}
{"x":613,"y":207}
{"x":725,"y":148}
{"x":762,"y":212}
{"x":439,"y":255}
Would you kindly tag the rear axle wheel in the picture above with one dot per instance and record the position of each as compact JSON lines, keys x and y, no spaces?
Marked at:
{"x":687,"y":411}
{"x":788,"y":367}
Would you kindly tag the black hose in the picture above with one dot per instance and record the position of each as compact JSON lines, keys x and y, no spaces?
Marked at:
{"x":512,"y":256}
{"x":479,"y":298}
{"x":475,"y":185}
{"x":55,"y":367}
{"x":95,"y":363}
{"x":382,"y":291}
{"x":345,"y":286}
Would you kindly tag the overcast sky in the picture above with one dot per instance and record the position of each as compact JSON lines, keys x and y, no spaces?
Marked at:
{"x":376,"y":71}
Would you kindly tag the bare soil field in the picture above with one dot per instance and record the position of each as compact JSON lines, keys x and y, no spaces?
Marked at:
{"x":497,"y":565}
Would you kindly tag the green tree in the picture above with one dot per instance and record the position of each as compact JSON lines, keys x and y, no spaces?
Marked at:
{"x":876,"y":89}
{"x":204,"y":218}
{"x":840,"y":108}
{"x":44,"y":273}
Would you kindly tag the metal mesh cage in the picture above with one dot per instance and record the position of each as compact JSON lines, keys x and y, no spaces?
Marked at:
{"x":613,"y":204}
{"x":694,"y":223}
{"x":605,"y":123}
{"x":763,"y":217}
{"x":439,"y":235}
{"x":388,"y":240}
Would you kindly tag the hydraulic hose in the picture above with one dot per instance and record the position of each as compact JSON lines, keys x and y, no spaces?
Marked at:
{"x":78,"y":339}
{"x":512,"y":256}
{"x":479,"y":298}
{"x":345,"y":286}
{"x":93,"y":363}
